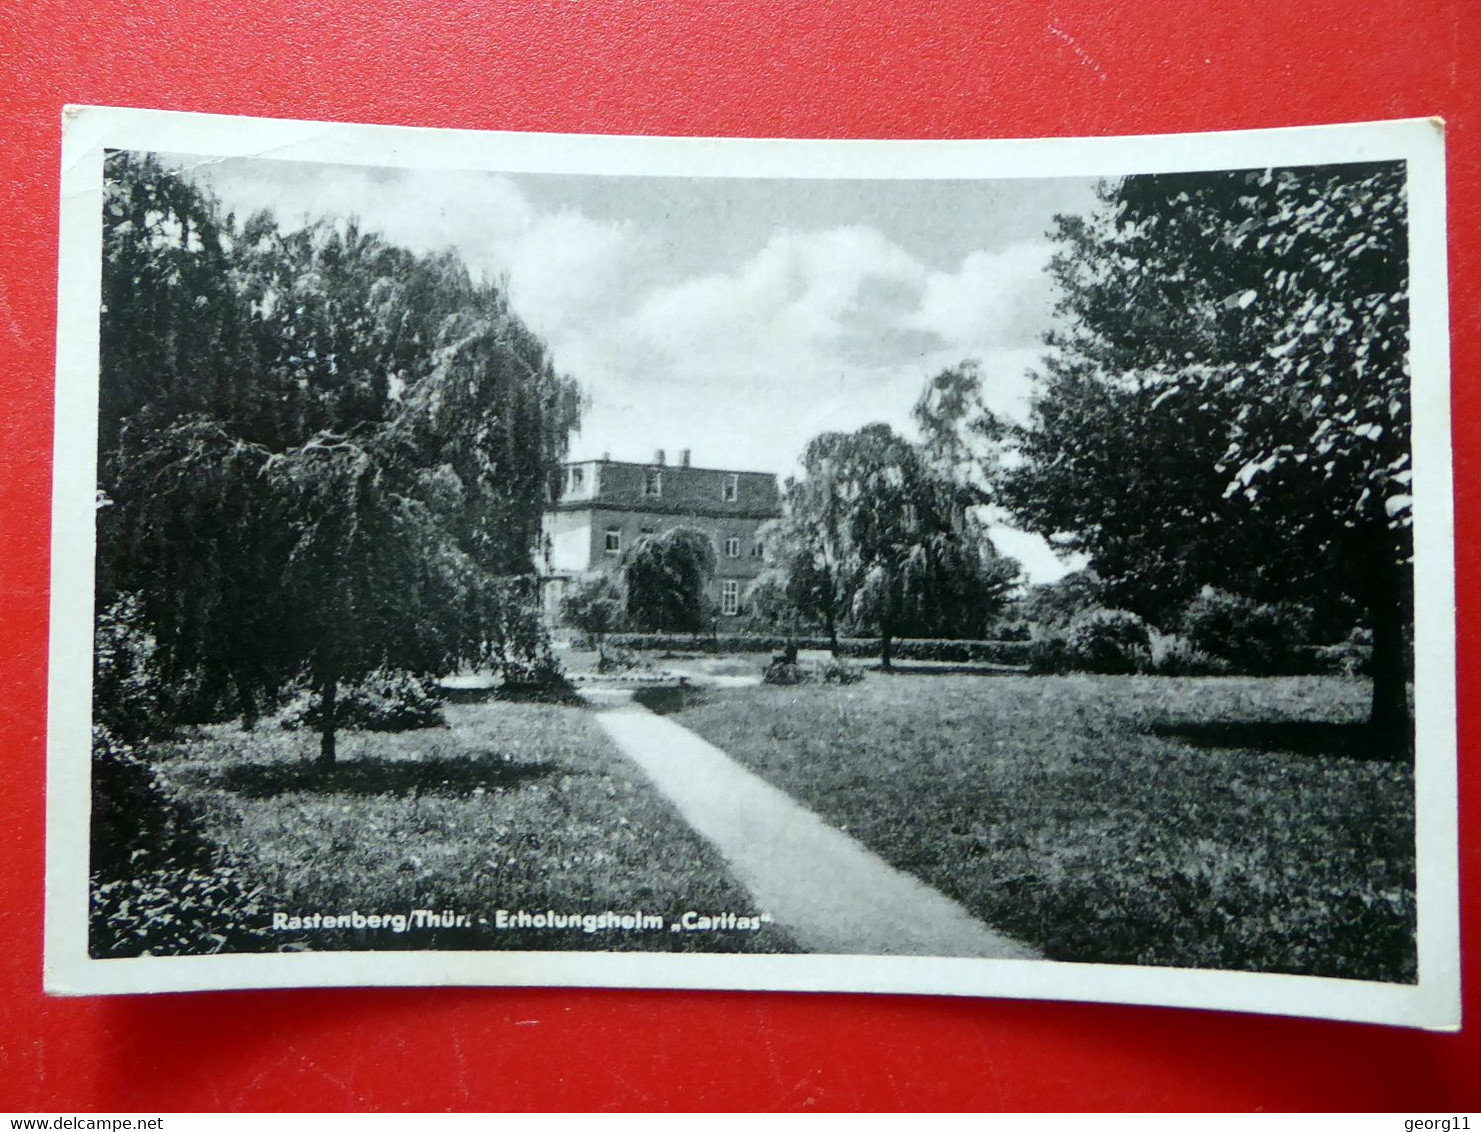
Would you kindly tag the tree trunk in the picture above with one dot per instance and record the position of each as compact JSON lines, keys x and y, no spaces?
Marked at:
{"x":1390,"y":706}
{"x":885,"y":637}
{"x":250,"y":711}
{"x":328,"y":701}
{"x":833,"y":635}
{"x":1386,"y":595}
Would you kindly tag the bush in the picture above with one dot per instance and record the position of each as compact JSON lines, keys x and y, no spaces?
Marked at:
{"x":829,"y":672}
{"x":701,"y":642}
{"x":1054,"y":606}
{"x":1255,"y":638}
{"x":1049,"y":655}
{"x":156,"y":884}
{"x":664,"y":577}
{"x":1110,"y":641}
{"x":940,"y":649}
{"x":1015,"y":631}
{"x":784,"y":672}
{"x":176,"y":912}
{"x":621,"y":660}
{"x":1350,"y":658}
{"x":542,"y":671}
{"x":593,"y":607}
{"x":840,"y":672}
{"x":386,"y":700}
{"x":1175,"y":656}
{"x":127,"y":690}
{"x":137,"y":820}
{"x":521,"y":648}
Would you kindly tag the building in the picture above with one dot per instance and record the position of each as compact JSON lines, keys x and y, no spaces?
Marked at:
{"x":602,"y":506}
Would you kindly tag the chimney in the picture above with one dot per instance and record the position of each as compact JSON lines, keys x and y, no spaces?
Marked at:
{"x":683,"y":457}
{"x":658,"y":457}
{"x":606,"y":457}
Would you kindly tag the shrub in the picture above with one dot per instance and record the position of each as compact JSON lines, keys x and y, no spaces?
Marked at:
{"x":621,"y":660}
{"x":1175,"y":656}
{"x":137,"y":820}
{"x":840,"y":672}
{"x":169,"y":911}
{"x":540,"y":671}
{"x":1049,"y":655}
{"x":1260,"y":639}
{"x":594,"y":608}
{"x":1350,"y":658}
{"x":127,"y":690}
{"x":1054,"y":606}
{"x":940,"y":649}
{"x":156,"y":884}
{"x":664,"y":578}
{"x":1110,"y":641}
{"x":520,"y":647}
{"x":829,"y":672}
{"x":386,"y":700}
{"x":1015,"y":631}
{"x":784,"y":672}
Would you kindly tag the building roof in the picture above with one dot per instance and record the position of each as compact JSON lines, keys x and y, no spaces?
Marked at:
{"x":664,"y":466}
{"x":684,"y":490}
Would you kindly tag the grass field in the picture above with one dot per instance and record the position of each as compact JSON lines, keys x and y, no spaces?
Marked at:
{"x":513,"y":806}
{"x":1218,"y":823}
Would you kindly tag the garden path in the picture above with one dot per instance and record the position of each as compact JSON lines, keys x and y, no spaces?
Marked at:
{"x":830,"y":893}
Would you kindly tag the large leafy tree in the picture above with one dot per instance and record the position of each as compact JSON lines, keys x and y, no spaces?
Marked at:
{"x":321,"y":454}
{"x":1227,"y":400}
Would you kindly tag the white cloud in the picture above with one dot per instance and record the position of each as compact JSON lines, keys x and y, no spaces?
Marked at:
{"x":994,"y":300}
{"x":565,"y":269}
{"x":790,"y":310}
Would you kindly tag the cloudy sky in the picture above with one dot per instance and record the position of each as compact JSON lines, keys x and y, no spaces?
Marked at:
{"x":738,"y":318}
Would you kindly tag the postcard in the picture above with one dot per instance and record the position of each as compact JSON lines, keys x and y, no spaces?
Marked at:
{"x":1016,"y":568}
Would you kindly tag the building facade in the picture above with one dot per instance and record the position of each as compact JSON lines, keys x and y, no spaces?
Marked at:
{"x":602,"y":506}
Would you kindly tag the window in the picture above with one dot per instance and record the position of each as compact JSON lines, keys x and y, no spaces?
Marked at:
{"x":614,"y":540}
{"x":653,"y":482}
{"x":575,"y":478}
{"x":647,"y":531}
{"x":732,"y":546}
{"x":758,"y":550}
{"x":730,"y":488}
{"x":730,"y":598}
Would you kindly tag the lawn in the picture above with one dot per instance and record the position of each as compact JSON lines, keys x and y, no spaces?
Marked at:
{"x":513,"y":806}
{"x":1244,"y":824}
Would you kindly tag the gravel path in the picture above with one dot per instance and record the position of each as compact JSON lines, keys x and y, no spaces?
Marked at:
{"x":831,"y":894}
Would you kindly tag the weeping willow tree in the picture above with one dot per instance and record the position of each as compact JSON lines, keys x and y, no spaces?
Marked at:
{"x":664,"y":577}
{"x":319,"y":454}
{"x":875,"y":534}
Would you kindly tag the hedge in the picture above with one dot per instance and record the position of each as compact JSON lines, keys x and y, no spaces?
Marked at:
{"x":854,"y":648}
{"x":1346,"y":659}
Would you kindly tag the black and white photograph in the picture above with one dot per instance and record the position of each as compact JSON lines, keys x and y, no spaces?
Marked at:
{"x":1014,"y":568}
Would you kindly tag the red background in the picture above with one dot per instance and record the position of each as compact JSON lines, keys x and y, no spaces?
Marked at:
{"x":960,"y":68}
